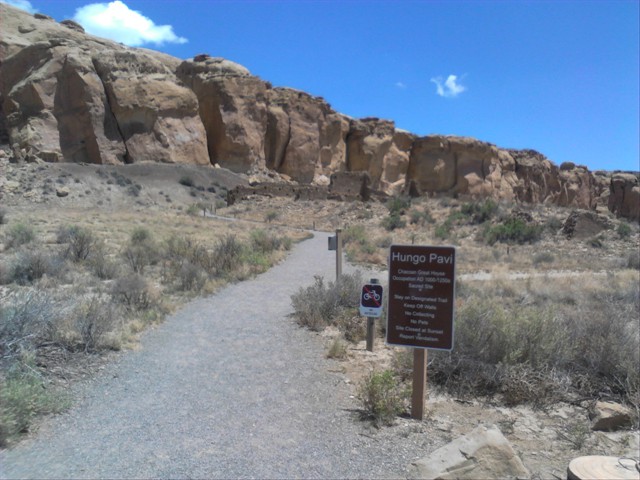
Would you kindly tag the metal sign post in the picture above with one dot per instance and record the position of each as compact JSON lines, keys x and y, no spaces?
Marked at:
{"x":421,"y":307}
{"x":371,"y":306}
{"x":338,"y":253}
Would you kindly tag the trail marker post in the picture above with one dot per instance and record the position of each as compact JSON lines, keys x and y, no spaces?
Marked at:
{"x":421,"y":307}
{"x":371,"y":307}
{"x":335,"y":243}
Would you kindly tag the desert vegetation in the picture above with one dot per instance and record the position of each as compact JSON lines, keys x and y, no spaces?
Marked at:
{"x":534,"y":339}
{"x":84,"y":283}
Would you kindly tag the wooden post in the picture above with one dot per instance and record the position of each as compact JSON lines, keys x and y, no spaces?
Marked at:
{"x":338,"y":253}
{"x":371,"y":324}
{"x":419,"y":383}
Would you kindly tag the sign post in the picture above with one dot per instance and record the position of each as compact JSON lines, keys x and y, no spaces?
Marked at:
{"x":371,"y":307}
{"x":335,"y":243}
{"x":421,"y":307}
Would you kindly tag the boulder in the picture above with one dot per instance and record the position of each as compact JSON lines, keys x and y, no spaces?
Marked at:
{"x":624,"y":196}
{"x":610,"y":416}
{"x":583,"y":224}
{"x":483,"y":453}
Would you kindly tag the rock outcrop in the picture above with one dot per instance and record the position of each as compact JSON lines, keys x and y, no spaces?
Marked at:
{"x":483,"y":453}
{"x":70,"y":97}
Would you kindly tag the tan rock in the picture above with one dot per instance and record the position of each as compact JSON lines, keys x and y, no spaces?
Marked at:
{"x":610,"y":416}
{"x":483,"y":453}
{"x":624,"y":196}
{"x":62,"y":191}
{"x":233,"y":109}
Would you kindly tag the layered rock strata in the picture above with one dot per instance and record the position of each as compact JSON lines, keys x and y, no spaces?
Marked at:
{"x":70,"y":97}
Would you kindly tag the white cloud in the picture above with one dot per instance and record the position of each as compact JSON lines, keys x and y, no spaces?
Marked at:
{"x":116,"y":21}
{"x":448,"y":88}
{"x":21,"y":4}
{"x":401,"y":85}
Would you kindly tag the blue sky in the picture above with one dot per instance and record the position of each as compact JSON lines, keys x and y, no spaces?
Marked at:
{"x":560,"y":77}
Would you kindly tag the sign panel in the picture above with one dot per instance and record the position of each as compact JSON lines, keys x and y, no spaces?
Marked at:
{"x":333,"y":243}
{"x":371,"y":301}
{"x":421,"y":296}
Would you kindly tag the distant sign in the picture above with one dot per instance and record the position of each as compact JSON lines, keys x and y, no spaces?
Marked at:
{"x":371,"y":301}
{"x":421,"y":296}
{"x":333,"y":242}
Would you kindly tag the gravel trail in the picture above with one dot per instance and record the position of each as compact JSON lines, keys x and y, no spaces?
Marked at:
{"x":228,"y":387}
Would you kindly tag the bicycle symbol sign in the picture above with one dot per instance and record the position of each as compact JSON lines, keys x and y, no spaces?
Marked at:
{"x":371,"y":301}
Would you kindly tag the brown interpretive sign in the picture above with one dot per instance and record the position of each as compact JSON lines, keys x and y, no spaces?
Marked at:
{"x":421,"y":296}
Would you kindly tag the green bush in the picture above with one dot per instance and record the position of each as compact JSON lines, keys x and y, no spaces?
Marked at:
{"x":271,"y":216}
{"x":23,"y":395}
{"x":187,"y":181}
{"x":512,"y":230}
{"x":140,"y":236}
{"x":18,"y":235}
{"x":319,"y":304}
{"x":479,"y":212}
{"x":381,"y":397}
{"x":398,"y":205}
{"x":26,"y":320}
{"x":392,"y":222}
{"x":624,"y":230}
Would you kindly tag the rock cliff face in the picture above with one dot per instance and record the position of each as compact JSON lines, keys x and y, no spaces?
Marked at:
{"x":69,"y":97}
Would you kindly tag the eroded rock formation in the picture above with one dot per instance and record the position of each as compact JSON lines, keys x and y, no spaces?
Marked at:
{"x":68,"y":96}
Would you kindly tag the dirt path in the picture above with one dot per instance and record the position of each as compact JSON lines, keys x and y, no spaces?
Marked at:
{"x":228,"y":387}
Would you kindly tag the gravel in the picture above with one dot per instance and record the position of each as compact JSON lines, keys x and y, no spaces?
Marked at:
{"x":228,"y":387}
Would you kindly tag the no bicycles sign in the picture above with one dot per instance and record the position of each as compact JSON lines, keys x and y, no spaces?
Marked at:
{"x":371,"y":301}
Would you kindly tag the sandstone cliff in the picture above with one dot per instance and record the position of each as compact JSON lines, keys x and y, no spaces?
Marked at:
{"x":68,"y":96}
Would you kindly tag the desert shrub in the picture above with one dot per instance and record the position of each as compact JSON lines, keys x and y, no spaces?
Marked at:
{"x":402,"y":364}
{"x":554,"y":224}
{"x":352,"y":325}
{"x":264,"y":242}
{"x":26,"y":319}
{"x":319,"y":304}
{"x":479,"y":212}
{"x":194,"y":209}
{"x":354,"y":234}
{"x":140,"y":236}
{"x":191,"y":276}
{"x":381,"y":397}
{"x":624,"y":230}
{"x":512,"y":230}
{"x":92,"y":321}
{"x":393,"y":222}
{"x":443,"y":231}
{"x":187,"y":181}
{"x":23,"y":396}
{"x":31,"y":265}
{"x":227,"y":254}
{"x":337,"y":349}
{"x":633,"y":261}
{"x":133,"y":292}
{"x":543,"y":257}
{"x":420,"y":217}
{"x":271,"y":216}
{"x":3,"y":216}
{"x":595,"y":242}
{"x":535,"y":350}
{"x":18,"y":235}
{"x":102,"y":265}
{"x":398,"y":205}
{"x":141,"y":251}
{"x":80,"y":242}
